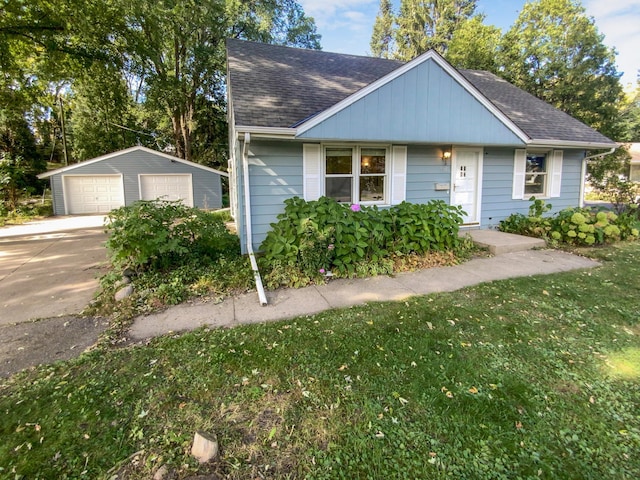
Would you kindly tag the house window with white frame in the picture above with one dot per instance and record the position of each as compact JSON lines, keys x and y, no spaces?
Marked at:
{"x":356,"y":174}
{"x":536,"y":174}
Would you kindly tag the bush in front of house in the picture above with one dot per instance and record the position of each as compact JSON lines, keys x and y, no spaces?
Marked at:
{"x":157,"y":235}
{"x":573,"y":226}
{"x":314,"y":238}
{"x":169,"y":253}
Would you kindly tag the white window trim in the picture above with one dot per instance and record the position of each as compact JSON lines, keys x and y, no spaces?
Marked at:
{"x":553,"y":174}
{"x":356,"y":150}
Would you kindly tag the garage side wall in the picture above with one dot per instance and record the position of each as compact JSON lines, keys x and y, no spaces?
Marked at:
{"x":207,"y":187}
{"x":57,"y":195}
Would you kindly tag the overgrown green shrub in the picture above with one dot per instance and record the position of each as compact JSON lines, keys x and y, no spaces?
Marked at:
{"x":573,"y":226}
{"x":155,"y":235}
{"x":26,"y":209}
{"x":313,"y":238}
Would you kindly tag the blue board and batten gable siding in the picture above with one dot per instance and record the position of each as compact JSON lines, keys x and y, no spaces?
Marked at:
{"x":424,"y":104}
{"x":207,"y":189}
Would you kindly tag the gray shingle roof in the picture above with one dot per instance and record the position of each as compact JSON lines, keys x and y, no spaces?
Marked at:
{"x":276,"y":86}
{"x":533,"y":116}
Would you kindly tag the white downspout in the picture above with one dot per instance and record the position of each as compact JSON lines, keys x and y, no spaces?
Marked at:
{"x":583,"y":171}
{"x":247,"y":212}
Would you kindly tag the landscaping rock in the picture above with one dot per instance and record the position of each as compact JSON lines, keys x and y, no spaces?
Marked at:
{"x":125,"y":280}
{"x":205,"y":447}
{"x":161,"y":473}
{"x":124,"y":292}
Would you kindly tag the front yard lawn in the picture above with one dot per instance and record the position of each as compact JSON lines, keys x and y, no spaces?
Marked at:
{"x":528,"y":378}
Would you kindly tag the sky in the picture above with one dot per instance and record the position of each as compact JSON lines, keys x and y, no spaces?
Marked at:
{"x":346,"y":25}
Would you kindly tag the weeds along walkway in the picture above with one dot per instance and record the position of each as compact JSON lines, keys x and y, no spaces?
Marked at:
{"x":288,"y":303}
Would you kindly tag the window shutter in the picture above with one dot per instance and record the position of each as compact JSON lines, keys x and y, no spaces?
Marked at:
{"x":312,"y":171}
{"x":519,"y":169}
{"x":555,"y":173}
{"x":398,"y":174}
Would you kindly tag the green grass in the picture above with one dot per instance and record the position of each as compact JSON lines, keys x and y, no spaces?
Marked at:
{"x":528,"y":378}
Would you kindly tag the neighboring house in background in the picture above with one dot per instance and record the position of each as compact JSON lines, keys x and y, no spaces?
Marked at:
{"x":634,"y":171}
{"x":121,"y":178}
{"x":378,"y":132}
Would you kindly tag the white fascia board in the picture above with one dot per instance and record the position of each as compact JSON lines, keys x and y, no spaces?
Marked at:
{"x":89,"y":162}
{"x":124,"y":152}
{"x":266,"y":132}
{"x":570,"y":144}
{"x":430,"y":55}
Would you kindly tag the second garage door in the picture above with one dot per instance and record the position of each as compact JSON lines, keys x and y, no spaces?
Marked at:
{"x":93,"y":193}
{"x":167,"y":187}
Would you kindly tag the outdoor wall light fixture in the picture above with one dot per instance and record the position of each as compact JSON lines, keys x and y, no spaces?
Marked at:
{"x":446,"y":154}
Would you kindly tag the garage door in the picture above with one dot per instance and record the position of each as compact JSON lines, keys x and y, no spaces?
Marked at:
{"x":167,"y":187}
{"x":93,"y":193}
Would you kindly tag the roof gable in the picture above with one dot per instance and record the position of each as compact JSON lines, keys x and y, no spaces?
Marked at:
{"x":125,"y":152}
{"x":425,"y":100}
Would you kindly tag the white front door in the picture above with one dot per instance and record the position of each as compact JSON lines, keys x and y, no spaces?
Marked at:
{"x":466,"y":170}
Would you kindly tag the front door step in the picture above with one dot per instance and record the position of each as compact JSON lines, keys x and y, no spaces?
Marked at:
{"x":501,"y":242}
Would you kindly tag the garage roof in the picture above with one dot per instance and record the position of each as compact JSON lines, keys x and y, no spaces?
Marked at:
{"x":124,"y":152}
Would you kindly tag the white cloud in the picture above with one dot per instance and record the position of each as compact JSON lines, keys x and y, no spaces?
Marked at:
{"x":327,"y":12}
{"x":600,"y":8}
{"x":619,"y":21}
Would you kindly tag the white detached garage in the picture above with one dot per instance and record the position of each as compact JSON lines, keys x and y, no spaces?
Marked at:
{"x":121,"y":178}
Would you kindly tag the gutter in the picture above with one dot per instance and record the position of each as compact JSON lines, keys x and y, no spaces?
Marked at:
{"x":247,"y":211}
{"x":583,"y":170}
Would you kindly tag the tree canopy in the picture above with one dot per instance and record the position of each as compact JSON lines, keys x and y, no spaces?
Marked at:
{"x":419,"y":26}
{"x":555,"y":52}
{"x":150,"y":71}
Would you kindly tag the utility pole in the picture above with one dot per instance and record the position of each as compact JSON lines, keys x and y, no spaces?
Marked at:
{"x":64,"y":133}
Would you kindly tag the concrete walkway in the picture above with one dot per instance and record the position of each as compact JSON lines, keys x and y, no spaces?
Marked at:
{"x":287,"y":303}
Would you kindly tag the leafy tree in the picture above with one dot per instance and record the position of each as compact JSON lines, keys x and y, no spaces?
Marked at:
{"x":425,"y":24}
{"x":555,"y":52}
{"x":177,"y":48}
{"x":20,"y":160}
{"x":170,"y":53}
{"x":474,"y":45}
{"x":382,"y":37}
{"x":14,"y":180}
{"x":630,"y":114}
{"x":99,"y":120}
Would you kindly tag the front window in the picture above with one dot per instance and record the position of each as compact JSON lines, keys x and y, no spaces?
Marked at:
{"x":356,"y":174}
{"x":339,"y":174}
{"x":535,"y":179}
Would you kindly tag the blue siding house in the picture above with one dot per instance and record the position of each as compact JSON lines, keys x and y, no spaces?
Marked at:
{"x":120,"y":178}
{"x":379,"y":132}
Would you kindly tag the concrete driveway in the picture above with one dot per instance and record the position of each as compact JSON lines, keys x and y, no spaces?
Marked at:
{"x":49,"y":268}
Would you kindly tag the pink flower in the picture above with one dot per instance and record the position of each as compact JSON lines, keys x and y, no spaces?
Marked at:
{"x":355,"y":207}
{"x":321,"y":270}
{"x":331,"y":246}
